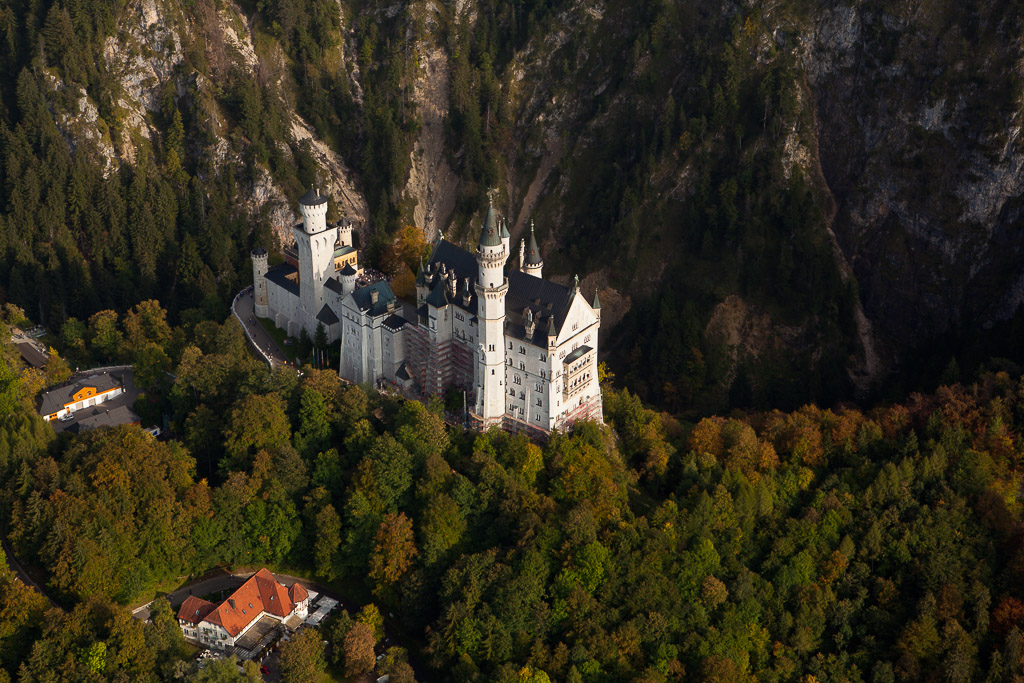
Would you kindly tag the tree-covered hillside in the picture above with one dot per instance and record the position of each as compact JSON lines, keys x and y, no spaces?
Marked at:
{"x":765,"y":232}
{"x":829,"y":545}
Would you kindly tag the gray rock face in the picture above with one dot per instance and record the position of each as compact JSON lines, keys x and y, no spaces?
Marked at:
{"x":918,"y":144}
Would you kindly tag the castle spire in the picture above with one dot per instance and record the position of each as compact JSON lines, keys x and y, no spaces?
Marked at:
{"x":597,"y":301}
{"x":533,"y":264}
{"x":490,"y":235}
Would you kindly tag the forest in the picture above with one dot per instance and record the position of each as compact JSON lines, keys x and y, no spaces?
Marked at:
{"x":813,"y":545}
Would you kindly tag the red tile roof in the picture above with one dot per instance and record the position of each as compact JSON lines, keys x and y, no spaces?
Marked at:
{"x":297,"y":592}
{"x":194,"y":609}
{"x":260,"y":593}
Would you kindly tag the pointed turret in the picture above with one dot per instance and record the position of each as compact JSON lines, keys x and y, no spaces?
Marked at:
{"x":490,"y":235}
{"x":597,"y":304}
{"x":421,"y":276}
{"x":506,"y":239}
{"x":533,"y":264}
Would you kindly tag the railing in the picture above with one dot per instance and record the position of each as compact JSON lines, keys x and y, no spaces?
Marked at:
{"x":245,"y":330}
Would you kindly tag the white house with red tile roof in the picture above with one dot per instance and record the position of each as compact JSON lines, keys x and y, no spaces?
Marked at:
{"x":220,"y":626}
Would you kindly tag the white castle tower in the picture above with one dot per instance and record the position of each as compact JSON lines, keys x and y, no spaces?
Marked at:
{"x":315,"y":244}
{"x":259,"y":282}
{"x":491,"y":288}
{"x":345,"y":233}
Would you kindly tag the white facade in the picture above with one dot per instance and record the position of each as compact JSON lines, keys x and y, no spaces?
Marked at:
{"x":523,"y":349}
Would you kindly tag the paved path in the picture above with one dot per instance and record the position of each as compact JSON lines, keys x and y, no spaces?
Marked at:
{"x":265,"y":344}
{"x":20,"y":572}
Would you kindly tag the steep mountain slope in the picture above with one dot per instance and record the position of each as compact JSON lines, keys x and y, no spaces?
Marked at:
{"x":777,"y":202}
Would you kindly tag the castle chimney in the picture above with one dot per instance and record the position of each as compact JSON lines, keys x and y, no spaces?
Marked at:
{"x":374,"y":295}
{"x":465,"y":291}
{"x":530,"y":325}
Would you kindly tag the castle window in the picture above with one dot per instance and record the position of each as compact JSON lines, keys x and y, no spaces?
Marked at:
{"x":586,"y":340}
{"x":490,"y":347}
{"x":511,"y":392}
{"x":510,"y":346}
{"x":521,"y":397}
{"x":539,"y":402}
{"x":517,"y":379}
{"x":543,"y":357}
{"x":522,"y":365}
{"x":542,"y":374}
{"x":540,"y":387}
{"x":575,"y":326}
{"x":522,"y":349}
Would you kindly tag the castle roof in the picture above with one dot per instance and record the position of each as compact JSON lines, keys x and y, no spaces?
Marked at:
{"x":489,"y":234}
{"x":549,"y":303}
{"x":313,"y":198}
{"x":327,"y":316}
{"x":597,"y":300}
{"x":259,"y":251}
{"x":532,"y":257}
{"x":364,"y":299}
{"x":504,"y":231}
{"x":348,"y":270}
{"x":395,"y":322}
{"x":334,"y":285}
{"x":279,"y":275}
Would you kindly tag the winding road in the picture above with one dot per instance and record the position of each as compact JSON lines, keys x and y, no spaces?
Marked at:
{"x":264,"y":344}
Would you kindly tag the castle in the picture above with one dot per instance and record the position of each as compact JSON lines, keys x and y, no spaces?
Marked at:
{"x":524,"y":349}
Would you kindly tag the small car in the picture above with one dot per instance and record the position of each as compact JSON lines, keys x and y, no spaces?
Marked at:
{"x":68,"y":417}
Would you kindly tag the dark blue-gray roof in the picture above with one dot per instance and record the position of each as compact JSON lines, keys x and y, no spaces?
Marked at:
{"x":327,"y":316}
{"x":489,"y":235}
{"x":333,"y":285}
{"x":532,"y":256}
{"x":279,"y":276}
{"x":364,"y":300}
{"x":313,"y":198}
{"x":549,"y":302}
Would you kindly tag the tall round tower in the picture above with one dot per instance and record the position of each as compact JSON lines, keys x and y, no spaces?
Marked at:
{"x":345,"y":232}
{"x":313,"y":207}
{"x":491,"y":288}
{"x":259,"y":282}
{"x":315,"y":245}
